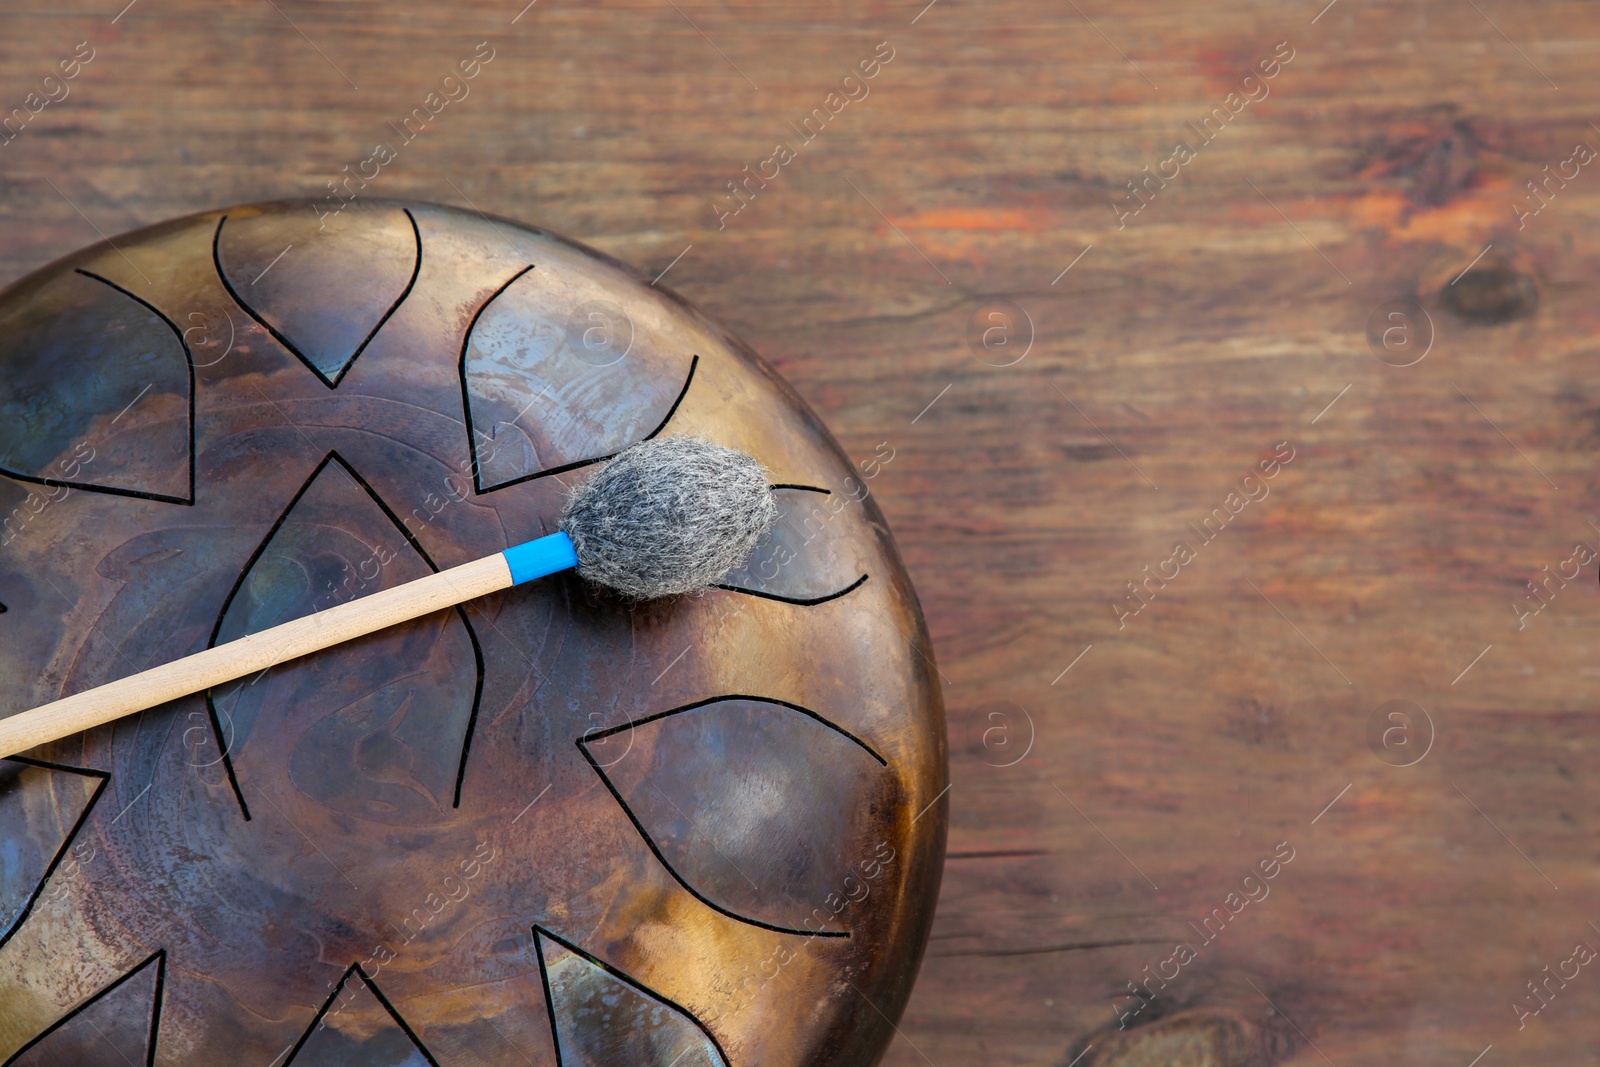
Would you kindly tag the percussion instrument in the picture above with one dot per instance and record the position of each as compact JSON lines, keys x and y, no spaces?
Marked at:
{"x":551,"y":825}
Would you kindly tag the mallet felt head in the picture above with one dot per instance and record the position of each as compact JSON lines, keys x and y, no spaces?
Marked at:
{"x":670,"y":515}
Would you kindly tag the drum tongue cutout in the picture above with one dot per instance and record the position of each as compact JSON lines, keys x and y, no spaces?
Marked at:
{"x":668,"y":516}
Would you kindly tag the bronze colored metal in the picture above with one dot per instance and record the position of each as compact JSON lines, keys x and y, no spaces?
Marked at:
{"x":548,"y":827}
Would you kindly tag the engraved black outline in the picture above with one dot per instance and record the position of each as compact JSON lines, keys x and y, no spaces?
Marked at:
{"x":655,"y":850}
{"x":461,"y":375}
{"x":694,"y":362}
{"x":549,"y":999}
{"x":798,"y":601}
{"x":735,"y":696}
{"x":238,"y":583}
{"x":111,"y":490}
{"x":159,"y":957}
{"x":331,"y":383}
{"x":66,"y":840}
{"x":372,"y":986}
{"x":804,"y":602}
{"x":478,"y":487}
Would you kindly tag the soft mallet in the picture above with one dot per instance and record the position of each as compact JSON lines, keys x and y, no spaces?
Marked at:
{"x":663,"y":517}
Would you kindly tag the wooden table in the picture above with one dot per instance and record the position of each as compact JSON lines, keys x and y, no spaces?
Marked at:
{"x":1116,"y":775}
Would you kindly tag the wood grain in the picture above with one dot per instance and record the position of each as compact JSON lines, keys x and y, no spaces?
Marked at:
{"x":1226,"y":317}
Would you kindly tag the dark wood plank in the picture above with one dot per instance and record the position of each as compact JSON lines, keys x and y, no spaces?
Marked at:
{"x":1181,"y":749}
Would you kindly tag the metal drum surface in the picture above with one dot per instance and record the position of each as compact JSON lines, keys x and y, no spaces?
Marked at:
{"x":548,"y":827}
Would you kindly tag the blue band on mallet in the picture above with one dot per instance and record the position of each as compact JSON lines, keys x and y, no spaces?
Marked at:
{"x":535,"y":559}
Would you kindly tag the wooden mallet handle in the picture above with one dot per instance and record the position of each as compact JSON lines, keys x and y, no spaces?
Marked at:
{"x":286,"y":641}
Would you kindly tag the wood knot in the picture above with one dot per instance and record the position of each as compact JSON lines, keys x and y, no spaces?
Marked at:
{"x":1434,"y":156}
{"x":1443,"y":167}
{"x":1185,"y":1039}
{"x":1490,"y":294}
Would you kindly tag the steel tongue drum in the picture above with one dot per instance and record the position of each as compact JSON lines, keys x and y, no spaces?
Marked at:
{"x":676,"y":799}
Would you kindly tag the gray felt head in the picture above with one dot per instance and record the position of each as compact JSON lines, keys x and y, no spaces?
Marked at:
{"x":668,"y":516}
